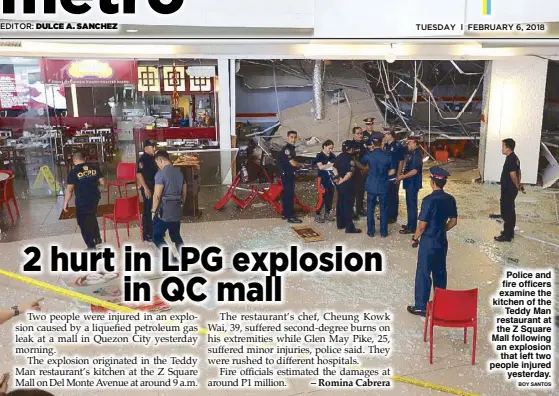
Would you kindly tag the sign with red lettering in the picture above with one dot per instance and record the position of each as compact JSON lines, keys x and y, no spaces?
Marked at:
{"x":89,"y":71}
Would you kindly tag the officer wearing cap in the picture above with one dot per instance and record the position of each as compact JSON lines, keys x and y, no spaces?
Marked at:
{"x":396,"y":152}
{"x":369,"y":124}
{"x":288,"y":165}
{"x":359,"y":150}
{"x":438,"y":216}
{"x":412,"y":176}
{"x":381,"y":169}
{"x":146,"y":168}
{"x":344,"y":168}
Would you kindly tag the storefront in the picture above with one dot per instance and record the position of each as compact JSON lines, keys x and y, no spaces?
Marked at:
{"x":50,"y":107}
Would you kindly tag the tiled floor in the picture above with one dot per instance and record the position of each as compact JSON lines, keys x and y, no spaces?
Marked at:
{"x":474,"y":260}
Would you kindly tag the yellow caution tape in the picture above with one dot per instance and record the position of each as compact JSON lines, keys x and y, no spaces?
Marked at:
{"x":432,"y":386}
{"x":202,"y":331}
{"x":68,"y":293}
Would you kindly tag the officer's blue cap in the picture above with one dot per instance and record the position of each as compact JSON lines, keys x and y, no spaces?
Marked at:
{"x":347,"y":145}
{"x":376,"y":137}
{"x":439,"y":173}
{"x":150,"y":143}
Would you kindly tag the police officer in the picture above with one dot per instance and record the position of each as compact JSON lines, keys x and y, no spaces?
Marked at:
{"x":82,"y":180}
{"x":396,"y":151}
{"x":146,"y":168}
{"x":378,"y":185}
{"x":360,"y":175}
{"x":369,"y":124}
{"x":288,"y":165}
{"x":412,"y":176}
{"x":344,"y":168}
{"x":438,"y":216}
{"x":325,"y":161}
{"x":510,"y":185}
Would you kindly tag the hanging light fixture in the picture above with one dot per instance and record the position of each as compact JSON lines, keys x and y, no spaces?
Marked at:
{"x":390,"y":56}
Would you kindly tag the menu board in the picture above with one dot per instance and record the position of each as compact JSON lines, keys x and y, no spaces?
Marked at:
{"x":9,"y":96}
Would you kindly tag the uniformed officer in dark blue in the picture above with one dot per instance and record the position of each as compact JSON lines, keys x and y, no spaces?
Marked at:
{"x":438,"y":216}
{"x":412,"y":177}
{"x":369,"y":124}
{"x":360,"y":148}
{"x":381,"y":170}
{"x":146,"y":168}
{"x":325,"y":161}
{"x":83,"y":180}
{"x":288,"y":167}
{"x":344,"y":168}
{"x":396,"y":151}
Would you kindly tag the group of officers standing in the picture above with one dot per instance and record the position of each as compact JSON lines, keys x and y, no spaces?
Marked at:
{"x":376,"y":163}
{"x":371,"y":162}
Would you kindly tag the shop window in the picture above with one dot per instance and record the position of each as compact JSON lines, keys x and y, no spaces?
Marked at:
{"x":169,"y":84}
{"x":148,"y":79}
{"x":200,"y":84}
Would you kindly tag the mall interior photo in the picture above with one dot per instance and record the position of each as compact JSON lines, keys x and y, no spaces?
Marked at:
{"x":225,"y":119}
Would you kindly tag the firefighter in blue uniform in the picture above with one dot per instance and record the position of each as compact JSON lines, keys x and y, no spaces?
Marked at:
{"x":412,"y":177}
{"x":288,"y":166}
{"x":360,"y":175}
{"x":396,"y":151}
{"x":344,"y":168}
{"x":369,"y":124}
{"x":381,"y":170}
{"x":438,"y":216}
{"x":325,"y":161}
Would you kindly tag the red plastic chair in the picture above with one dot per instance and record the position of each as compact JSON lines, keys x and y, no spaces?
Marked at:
{"x":452,"y":308}
{"x":8,"y":195}
{"x":125,"y":175}
{"x":230,"y":195}
{"x":272,"y":195}
{"x":9,"y":173}
{"x":126,"y":210}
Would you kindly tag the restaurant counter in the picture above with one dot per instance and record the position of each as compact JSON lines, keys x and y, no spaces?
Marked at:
{"x":162,"y":134}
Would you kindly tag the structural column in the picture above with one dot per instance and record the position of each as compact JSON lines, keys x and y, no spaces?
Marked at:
{"x":226,"y":120}
{"x":513,"y":103}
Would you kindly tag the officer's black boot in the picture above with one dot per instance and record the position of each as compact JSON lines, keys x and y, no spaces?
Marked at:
{"x":415,"y":311}
{"x":503,"y":238}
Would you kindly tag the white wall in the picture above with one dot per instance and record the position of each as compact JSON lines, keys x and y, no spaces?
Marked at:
{"x":515,"y":110}
{"x":224,"y":117}
{"x":484,"y":111}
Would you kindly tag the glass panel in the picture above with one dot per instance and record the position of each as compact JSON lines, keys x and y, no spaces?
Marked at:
{"x":26,"y":143}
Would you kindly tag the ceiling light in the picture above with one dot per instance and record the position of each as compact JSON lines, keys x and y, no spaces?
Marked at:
{"x":132,"y":30}
{"x":390,"y":56}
